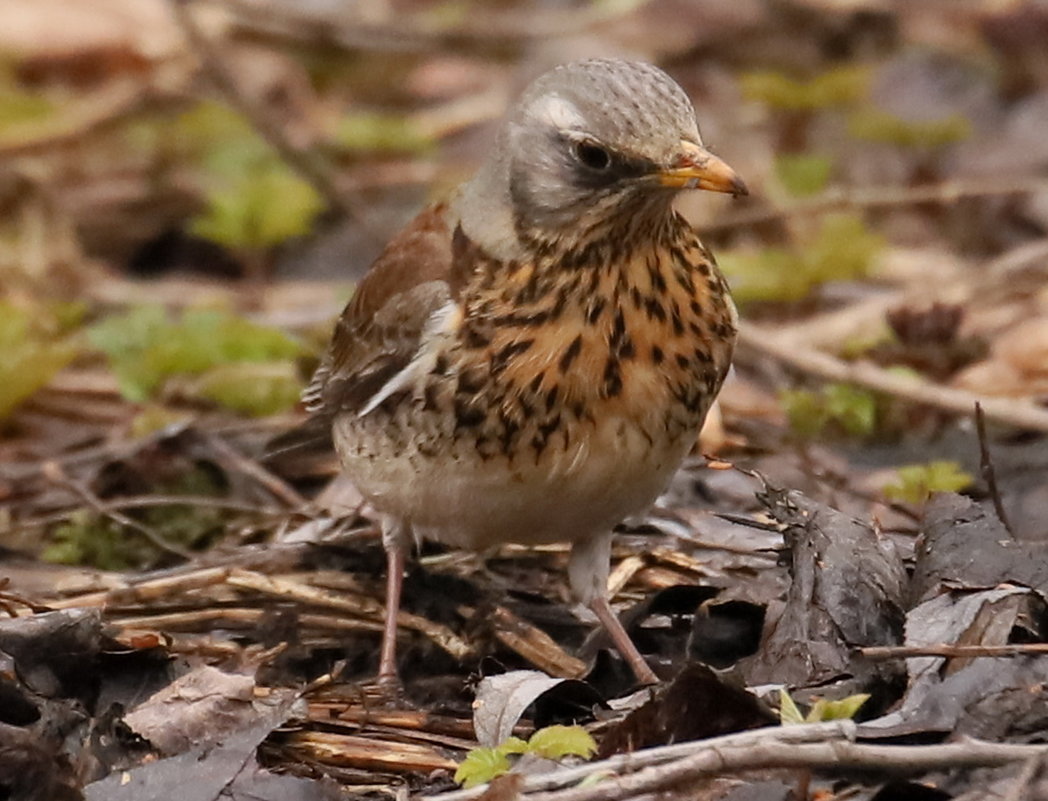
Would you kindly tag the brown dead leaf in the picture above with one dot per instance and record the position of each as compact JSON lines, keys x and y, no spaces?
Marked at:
{"x":204,"y":705}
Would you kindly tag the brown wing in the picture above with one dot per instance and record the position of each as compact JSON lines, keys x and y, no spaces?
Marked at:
{"x":379,"y":330}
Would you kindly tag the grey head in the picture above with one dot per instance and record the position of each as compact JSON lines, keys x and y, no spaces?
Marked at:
{"x":589,"y":142}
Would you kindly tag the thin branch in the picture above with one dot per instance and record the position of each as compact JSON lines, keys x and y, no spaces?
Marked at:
{"x":54,"y":473}
{"x":232,"y":459}
{"x":837,"y":755}
{"x":838,"y":198}
{"x":948,"y":650}
{"x":308,"y":167}
{"x":146,"y":502}
{"x":625,"y":763}
{"x":986,"y":468}
{"x":1022,"y":414}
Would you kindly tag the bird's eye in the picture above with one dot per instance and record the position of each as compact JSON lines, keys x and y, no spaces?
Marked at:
{"x":592,"y":155}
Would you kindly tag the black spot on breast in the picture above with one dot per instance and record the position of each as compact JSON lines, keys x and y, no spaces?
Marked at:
{"x":682,"y":361}
{"x":551,"y":397}
{"x":471,"y":380}
{"x":656,"y":354}
{"x":594,"y":310}
{"x":618,"y":330}
{"x":500,"y":359}
{"x":696,"y":308}
{"x":536,"y":382}
{"x":476,"y":339}
{"x":678,"y":323}
{"x":570,"y":354}
{"x":655,"y":310}
{"x":467,"y":415}
{"x":430,"y":398}
{"x":626,"y":349}
{"x":612,"y":378}
{"x":703,"y":356}
{"x":551,"y":425}
{"x":658,"y":281}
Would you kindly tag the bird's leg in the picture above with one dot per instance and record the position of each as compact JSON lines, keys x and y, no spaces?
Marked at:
{"x":588,"y":569}
{"x":394,"y":540}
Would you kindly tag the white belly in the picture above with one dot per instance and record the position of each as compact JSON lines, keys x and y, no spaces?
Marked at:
{"x":610,"y":470}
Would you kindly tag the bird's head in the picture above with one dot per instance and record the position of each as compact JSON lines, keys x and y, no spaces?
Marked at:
{"x":596,"y":139}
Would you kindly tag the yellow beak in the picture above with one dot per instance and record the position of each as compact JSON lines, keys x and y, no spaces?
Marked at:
{"x":697,"y":168}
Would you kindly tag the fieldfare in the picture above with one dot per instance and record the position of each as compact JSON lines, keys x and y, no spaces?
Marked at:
{"x":532,"y":359}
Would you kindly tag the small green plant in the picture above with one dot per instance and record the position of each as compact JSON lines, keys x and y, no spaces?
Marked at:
{"x":34,"y":348}
{"x":256,"y":206}
{"x":20,"y":109}
{"x":481,"y":765}
{"x":803,"y":174}
{"x":873,"y":125}
{"x":833,"y":409}
{"x":841,"y":86}
{"x":842,"y":249}
{"x":916,"y":482}
{"x":253,"y":201}
{"x":821,"y":711}
{"x":146,"y":347}
{"x":369,"y":132}
{"x":90,"y":538}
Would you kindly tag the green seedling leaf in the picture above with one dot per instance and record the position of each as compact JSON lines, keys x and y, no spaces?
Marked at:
{"x":843,"y":249}
{"x":917,"y":482}
{"x":838,"y":87}
{"x":803,"y":174}
{"x":853,"y":408}
{"x":821,"y":711}
{"x":513,"y":745}
{"x":480,"y":766}
{"x":22,"y":111}
{"x":879,"y":126}
{"x":32,"y":354}
{"x":836,"y":407}
{"x":146,"y":346}
{"x":363,"y":132}
{"x":557,"y":742}
{"x":844,"y":709}
{"x":87,"y":538}
{"x":253,"y":389}
{"x":263,"y":205}
{"x":789,"y":714}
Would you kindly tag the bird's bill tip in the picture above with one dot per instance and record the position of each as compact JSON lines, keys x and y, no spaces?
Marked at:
{"x":697,"y":168}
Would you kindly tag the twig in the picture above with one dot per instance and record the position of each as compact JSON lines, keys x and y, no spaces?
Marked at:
{"x":146,"y":502}
{"x":790,"y":736}
{"x":308,"y":167}
{"x":837,"y":198}
{"x":83,"y":119}
{"x":1020,"y":788}
{"x":364,"y":607}
{"x":54,"y":472}
{"x":531,"y":643}
{"x":276,"y":486}
{"x":986,"y":468}
{"x":407,"y":32}
{"x":948,"y":650}
{"x":146,"y":590}
{"x":1018,"y":413}
{"x":837,"y":755}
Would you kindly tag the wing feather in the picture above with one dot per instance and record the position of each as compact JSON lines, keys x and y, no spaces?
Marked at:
{"x":380,"y":331}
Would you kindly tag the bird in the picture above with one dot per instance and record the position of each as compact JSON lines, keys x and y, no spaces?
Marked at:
{"x":531,"y":359}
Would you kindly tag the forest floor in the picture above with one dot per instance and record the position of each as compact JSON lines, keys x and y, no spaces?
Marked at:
{"x":844,"y":588}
